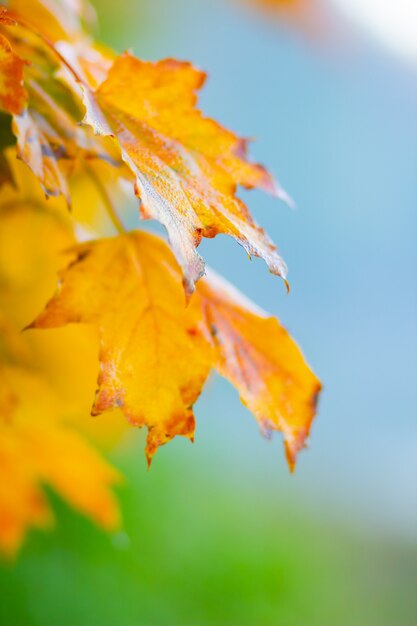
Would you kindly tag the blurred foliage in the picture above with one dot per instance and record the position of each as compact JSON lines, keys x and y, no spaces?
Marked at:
{"x":198,"y":551}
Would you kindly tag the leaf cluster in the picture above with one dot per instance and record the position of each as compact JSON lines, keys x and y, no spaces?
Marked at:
{"x":89,"y":128}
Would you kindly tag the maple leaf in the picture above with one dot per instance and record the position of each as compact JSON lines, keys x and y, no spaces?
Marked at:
{"x":153,"y":364}
{"x":22,"y":504}
{"x":155,"y":353}
{"x":13,"y":95}
{"x":187,"y":167}
{"x":36,"y":449}
{"x":258,"y":356}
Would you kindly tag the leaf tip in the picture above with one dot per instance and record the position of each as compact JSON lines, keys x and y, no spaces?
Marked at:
{"x":291,"y":456}
{"x":149,"y":458}
{"x":279,"y":192}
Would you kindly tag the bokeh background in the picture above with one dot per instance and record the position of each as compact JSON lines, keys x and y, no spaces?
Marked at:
{"x":219,"y":533}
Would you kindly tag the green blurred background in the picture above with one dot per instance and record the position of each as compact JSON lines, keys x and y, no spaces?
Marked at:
{"x":218,"y":532}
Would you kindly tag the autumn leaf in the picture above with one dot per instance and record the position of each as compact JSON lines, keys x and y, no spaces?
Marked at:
{"x":22,"y":504}
{"x":153,"y":364}
{"x":187,"y":167}
{"x":258,"y":356}
{"x":155,"y":353}
{"x":13,"y":95}
{"x":36,"y":449}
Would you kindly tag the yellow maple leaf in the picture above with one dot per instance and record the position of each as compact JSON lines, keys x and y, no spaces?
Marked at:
{"x":36,"y":449}
{"x":152,"y":366}
{"x":155,"y":353}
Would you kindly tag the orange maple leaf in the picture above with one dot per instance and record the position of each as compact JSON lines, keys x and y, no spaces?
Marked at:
{"x":13,"y":95}
{"x":187,"y":166}
{"x":258,"y":356}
